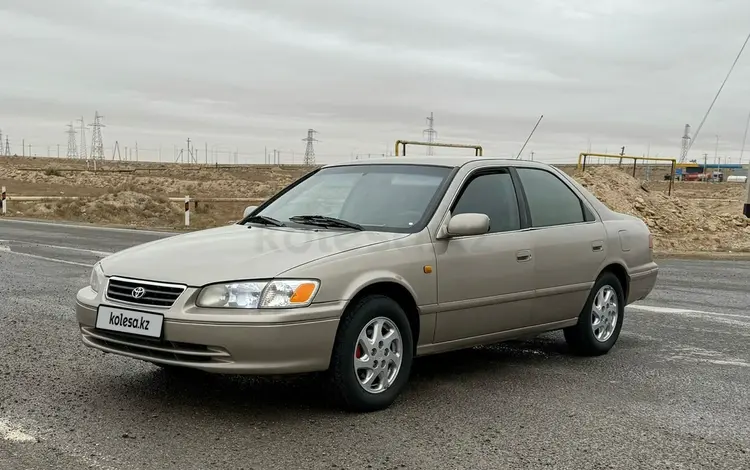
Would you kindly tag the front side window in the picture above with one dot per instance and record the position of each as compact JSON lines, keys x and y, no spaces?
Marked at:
{"x":388,"y":197}
{"x":494,"y":195}
{"x":550,"y":201}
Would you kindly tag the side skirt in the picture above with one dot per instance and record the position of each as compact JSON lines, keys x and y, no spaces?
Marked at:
{"x":427,"y":349}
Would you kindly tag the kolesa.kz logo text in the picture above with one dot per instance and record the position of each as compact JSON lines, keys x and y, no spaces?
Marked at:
{"x":129,"y":322}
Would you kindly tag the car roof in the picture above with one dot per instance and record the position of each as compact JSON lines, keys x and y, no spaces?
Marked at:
{"x":440,"y":161}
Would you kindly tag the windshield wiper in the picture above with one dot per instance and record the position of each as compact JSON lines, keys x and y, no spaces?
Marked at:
{"x":325,"y":221}
{"x":265,"y":220}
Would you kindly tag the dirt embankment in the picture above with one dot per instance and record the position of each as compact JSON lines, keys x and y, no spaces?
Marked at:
{"x":137,"y":194}
{"x":698,"y":217}
{"x":679,"y":223}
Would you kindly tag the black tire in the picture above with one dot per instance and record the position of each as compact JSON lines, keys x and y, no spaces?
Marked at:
{"x":580,"y":337}
{"x":350,"y":395}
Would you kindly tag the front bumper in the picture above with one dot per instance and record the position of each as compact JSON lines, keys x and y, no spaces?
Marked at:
{"x":224,"y":347}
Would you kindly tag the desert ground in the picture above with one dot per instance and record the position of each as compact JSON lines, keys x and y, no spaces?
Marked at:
{"x":698,"y":217}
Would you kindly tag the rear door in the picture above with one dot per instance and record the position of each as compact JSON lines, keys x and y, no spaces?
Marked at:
{"x":569,"y":244}
{"x":485,"y":282}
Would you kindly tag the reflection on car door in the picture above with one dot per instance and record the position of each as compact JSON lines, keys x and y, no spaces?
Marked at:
{"x":569,"y":245}
{"x":485,"y":282}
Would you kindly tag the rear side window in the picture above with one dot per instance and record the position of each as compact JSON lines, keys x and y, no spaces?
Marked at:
{"x":492,"y":194}
{"x":550,"y":201}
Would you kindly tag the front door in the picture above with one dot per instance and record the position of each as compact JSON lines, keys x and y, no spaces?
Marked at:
{"x":485,"y":282}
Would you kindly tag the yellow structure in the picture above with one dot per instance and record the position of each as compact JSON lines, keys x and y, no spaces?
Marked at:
{"x":404,"y":143}
{"x":583,"y":156}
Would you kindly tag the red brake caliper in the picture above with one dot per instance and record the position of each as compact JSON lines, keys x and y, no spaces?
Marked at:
{"x":358,"y":352}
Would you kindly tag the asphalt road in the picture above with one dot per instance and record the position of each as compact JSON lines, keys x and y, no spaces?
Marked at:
{"x":673,"y":393}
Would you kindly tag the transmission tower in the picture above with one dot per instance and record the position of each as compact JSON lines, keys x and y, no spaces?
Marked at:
{"x":430,"y":133}
{"x":82,"y":153}
{"x":72,"y":150}
{"x":685,"y":144}
{"x":116,"y":151}
{"x":7,"y":146}
{"x":1,"y":143}
{"x":309,"y":150}
{"x":97,"y":145}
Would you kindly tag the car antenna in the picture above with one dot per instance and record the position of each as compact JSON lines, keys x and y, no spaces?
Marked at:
{"x":527,"y":139}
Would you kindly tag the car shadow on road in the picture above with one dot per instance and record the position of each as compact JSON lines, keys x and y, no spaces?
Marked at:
{"x":310,"y":392}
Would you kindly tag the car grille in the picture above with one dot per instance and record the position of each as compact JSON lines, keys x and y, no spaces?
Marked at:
{"x":147,"y":293}
{"x":154,"y":349}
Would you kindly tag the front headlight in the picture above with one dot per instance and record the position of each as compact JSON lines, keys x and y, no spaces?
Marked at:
{"x":279,"y":293}
{"x":97,"y":278}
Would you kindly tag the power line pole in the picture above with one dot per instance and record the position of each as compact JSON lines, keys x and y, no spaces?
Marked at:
{"x":116,"y":151}
{"x":72,"y":150}
{"x":431,"y":133}
{"x":83,"y":139}
{"x":685,"y":144}
{"x":716,"y":149}
{"x":97,"y":144}
{"x":7,"y":146}
{"x":744,"y":140}
{"x":309,"y":149}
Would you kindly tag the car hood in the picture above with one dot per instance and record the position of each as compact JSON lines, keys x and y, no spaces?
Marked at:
{"x":234,"y":252}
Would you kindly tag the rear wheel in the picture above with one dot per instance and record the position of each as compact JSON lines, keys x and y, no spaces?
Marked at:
{"x":372,"y":355}
{"x":600,"y":321}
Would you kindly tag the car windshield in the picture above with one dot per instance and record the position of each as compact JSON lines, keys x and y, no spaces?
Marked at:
{"x":387,"y":197}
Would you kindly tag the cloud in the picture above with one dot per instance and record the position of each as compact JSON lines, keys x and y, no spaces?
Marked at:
{"x":254,"y":75}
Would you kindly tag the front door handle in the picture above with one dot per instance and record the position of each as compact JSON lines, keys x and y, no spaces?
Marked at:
{"x":523,"y":256}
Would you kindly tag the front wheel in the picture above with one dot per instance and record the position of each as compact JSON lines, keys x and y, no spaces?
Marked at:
{"x":600,"y":321}
{"x":372,"y":355}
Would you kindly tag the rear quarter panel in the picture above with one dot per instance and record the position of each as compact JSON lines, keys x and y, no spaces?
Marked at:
{"x":629,"y":247}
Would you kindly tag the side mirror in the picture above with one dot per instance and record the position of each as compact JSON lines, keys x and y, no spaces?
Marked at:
{"x":468,"y":224}
{"x":248,"y":210}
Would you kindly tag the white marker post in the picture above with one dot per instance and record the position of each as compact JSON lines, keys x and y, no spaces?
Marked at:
{"x":2,"y":201}
{"x":745,"y":210}
{"x":187,"y":211}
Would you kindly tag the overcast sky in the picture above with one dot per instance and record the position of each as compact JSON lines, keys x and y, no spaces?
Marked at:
{"x":250,"y":74}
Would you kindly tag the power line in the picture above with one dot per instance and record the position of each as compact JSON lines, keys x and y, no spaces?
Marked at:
{"x":116,"y":151}
{"x":309,"y":149}
{"x":695,"y":137}
{"x":744,"y":139}
{"x":685,"y":143}
{"x":430,"y":133}
{"x":72,"y":150}
{"x":97,"y":144}
{"x":82,"y":153}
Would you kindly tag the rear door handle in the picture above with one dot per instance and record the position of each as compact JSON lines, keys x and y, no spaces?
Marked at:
{"x":597,"y":245}
{"x":523,"y":255}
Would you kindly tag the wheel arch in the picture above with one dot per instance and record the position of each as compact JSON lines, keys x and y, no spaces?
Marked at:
{"x":621,"y":273}
{"x":400,"y":294}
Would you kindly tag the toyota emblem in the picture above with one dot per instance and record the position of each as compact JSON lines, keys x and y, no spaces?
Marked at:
{"x":138,"y":292}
